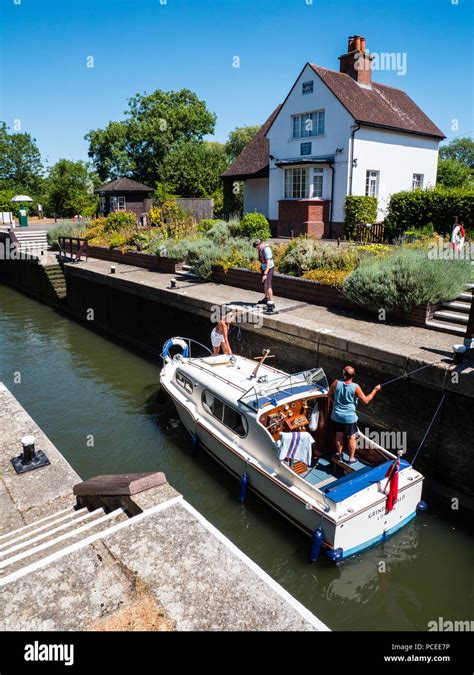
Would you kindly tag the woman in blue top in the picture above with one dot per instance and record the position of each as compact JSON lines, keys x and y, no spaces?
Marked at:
{"x":344,"y":395}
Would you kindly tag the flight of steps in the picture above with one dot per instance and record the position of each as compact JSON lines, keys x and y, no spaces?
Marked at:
{"x":34,"y":544}
{"x":32,"y":241}
{"x":57,"y":279}
{"x":453,"y":316}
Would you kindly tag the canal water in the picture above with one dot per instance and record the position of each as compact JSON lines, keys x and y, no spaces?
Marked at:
{"x":95,"y":400}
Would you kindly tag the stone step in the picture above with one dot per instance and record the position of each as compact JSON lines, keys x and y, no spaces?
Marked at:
{"x":43,"y":549}
{"x":457,"y":306}
{"x":41,"y":526}
{"x":465,"y":297}
{"x":445,"y":327}
{"x":13,"y":534}
{"x":451,"y":317}
{"x":50,"y":533}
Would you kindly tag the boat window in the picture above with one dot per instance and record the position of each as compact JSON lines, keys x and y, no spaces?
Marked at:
{"x":184,"y":382}
{"x":235,"y":421}
{"x":218,"y":409}
{"x":224,"y":413}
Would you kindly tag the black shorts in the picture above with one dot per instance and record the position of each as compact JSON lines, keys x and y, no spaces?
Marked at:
{"x":347,"y":429}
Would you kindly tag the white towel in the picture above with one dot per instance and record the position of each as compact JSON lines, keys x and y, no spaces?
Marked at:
{"x":296,"y":445}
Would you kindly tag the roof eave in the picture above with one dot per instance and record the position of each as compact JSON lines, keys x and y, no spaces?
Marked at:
{"x":399,"y":129}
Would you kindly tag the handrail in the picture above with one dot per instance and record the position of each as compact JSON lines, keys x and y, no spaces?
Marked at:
{"x":81,"y":248}
{"x":13,"y":237}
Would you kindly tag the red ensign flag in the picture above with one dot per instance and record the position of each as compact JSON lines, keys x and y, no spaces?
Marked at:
{"x":393,"y":492}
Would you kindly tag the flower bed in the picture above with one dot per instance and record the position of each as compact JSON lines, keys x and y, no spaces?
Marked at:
{"x":313,"y":292}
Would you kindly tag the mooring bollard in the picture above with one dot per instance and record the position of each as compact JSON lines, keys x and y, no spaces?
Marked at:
{"x":112,"y":269}
{"x":173,"y":284}
{"x":30,"y":459}
{"x":29,"y":454}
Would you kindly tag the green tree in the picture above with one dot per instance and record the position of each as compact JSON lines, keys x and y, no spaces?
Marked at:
{"x":238,"y":139}
{"x":194,"y":169}
{"x":21,"y":168}
{"x":154,"y":124}
{"x":452,"y":173}
{"x":70,"y":189}
{"x":460,"y":149}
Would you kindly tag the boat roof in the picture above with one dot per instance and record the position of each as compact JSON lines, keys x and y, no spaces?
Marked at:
{"x":271,"y":386}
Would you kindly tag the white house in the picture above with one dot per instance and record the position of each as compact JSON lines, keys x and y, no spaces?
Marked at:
{"x":335,"y":134}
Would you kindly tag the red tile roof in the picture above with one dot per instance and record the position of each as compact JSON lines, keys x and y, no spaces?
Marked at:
{"x":379,"y":106}
{"x":253,"y":160}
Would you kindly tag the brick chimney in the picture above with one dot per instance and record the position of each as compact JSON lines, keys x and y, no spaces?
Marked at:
{"x":357,"y":62}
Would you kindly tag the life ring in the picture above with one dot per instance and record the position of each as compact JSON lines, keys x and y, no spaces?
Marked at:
{"x":175,"y":342}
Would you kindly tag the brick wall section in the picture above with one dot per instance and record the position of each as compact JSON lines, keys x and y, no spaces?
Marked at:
{"x":303,"y":216}
{"x":312,"y":292}
{"x":145,"y":260}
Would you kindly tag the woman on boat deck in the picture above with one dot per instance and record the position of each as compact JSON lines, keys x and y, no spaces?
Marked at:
{"x":220,"y":335}
{"x":344,"y":395}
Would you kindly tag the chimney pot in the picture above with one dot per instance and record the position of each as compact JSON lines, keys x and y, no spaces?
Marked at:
{"x":357,"y":62}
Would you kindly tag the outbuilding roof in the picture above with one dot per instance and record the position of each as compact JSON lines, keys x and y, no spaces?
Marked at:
{"x":123,"y":185}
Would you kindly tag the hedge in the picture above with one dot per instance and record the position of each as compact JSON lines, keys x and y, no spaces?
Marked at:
{"x":417,"y":209}
{"x":358,"y":209}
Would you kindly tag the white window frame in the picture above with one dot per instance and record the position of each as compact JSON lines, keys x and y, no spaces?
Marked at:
{"x":294,"y":178}
{"x":318,"y":172}
{"x":417,"y":181}
{"x":372,"y":180}
{"x":118,"y":203}
{"x":298,"y":121}
{"x":103,"y":204}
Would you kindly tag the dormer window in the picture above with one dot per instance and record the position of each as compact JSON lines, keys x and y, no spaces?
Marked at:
{"x":309,"y":124}
{"x":308,"y":87}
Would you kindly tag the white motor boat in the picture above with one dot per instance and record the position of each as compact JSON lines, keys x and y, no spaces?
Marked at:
{"x":272,"y":430}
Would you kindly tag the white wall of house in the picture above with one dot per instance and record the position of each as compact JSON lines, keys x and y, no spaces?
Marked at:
{"x":396,"y":156}
{"x":337,"y":133}
{"x":256,"y":196}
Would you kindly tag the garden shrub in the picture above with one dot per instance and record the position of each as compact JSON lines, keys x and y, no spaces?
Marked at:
{"x":416,"y":209}
{"x":206,"y":223}
{"x":358,"y":209}
{"x":374,"y":250}
{"x":66,"y":230}
{"x":255,"y":226}
{"x":303,"y":255}
{"x":120,"y":219}
{"x":329,"y":277}
{"x":219,"y":233}
{"x":405,"y":280}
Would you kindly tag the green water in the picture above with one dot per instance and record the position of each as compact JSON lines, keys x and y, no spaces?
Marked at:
{"x":80,"y":387}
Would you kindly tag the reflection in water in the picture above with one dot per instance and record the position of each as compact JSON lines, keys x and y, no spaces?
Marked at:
{"x":75,"y":384}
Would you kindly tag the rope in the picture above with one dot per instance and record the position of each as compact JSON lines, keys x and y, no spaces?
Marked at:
{"x":429,"y":428}
{"x":403,"y":377}
{"x":239,"y":333}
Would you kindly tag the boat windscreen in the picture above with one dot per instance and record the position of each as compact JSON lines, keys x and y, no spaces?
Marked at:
{"x":273,"y":391}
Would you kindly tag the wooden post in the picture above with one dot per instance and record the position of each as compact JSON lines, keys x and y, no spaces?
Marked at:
{"x":469,"y":337}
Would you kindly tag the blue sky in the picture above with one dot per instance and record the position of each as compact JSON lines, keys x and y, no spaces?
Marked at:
{"x":143,"y":45}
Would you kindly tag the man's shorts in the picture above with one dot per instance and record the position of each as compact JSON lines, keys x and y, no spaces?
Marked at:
{"x":349,"y":429}
{"x":267,"y":284}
